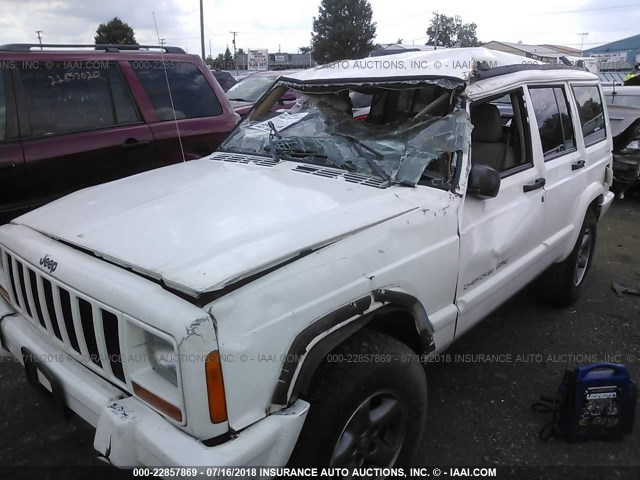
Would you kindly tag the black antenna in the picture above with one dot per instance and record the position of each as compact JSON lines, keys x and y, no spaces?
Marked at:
{"x":173,"y":108}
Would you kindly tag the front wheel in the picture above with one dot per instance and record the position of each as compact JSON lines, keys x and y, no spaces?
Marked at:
{"x":562,"y":283}
{"x":368,"y":406}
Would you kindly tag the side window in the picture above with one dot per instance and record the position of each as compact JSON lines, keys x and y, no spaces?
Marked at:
{"x":191,"y":93}
{"x":3,"y":110}
{"x":125,"y":110}
{"x":66,"y":98}
{"x":591,"y":113}
{"x":554,"y":121}
{"x":500,"y":138}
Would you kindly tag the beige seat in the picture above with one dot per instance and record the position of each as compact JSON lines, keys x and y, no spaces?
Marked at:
{"x":487,"y":143}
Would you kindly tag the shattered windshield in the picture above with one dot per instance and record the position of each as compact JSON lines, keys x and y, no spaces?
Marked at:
{"x":409,"y":136}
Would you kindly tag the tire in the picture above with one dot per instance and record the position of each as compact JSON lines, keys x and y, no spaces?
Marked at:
{"x":562,"y":283}
{"x":364,"y":413}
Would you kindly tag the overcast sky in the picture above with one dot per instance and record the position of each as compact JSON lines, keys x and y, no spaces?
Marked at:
{"x":286,"y":24}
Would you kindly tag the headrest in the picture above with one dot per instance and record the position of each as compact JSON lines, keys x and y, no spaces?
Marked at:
{"x":487,"y":123}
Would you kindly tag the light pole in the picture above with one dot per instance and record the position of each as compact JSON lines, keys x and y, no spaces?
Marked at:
{"x":583,"y":34}
{"x":235,"y":57}
{"x":202,"y":30}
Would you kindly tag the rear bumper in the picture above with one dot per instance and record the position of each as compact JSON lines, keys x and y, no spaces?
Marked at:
{"x":606,"y":203}
{"x":130,"y":434}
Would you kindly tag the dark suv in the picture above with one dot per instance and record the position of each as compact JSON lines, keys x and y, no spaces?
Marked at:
{"x":72,"y":116}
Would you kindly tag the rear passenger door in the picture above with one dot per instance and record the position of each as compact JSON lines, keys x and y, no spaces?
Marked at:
{"x":80,"y":128}
{"x":195,"y":105}
{"x":554,"y":140}
{"x":13,"y":191}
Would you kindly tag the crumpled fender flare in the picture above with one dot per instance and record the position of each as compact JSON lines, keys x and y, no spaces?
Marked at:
{"x":314,"y":351}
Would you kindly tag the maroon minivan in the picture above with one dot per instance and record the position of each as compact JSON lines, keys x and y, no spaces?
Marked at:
{"x":72,"y":116}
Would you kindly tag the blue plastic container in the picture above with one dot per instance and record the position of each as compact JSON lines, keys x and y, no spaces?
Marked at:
{"x":597,"y":402}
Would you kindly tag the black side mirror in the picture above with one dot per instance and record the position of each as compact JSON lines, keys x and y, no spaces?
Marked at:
{"x":484,"y":181}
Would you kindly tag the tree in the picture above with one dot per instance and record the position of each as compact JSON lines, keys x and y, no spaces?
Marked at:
{"x":304,"y":49}
{"x":467,"y":36}
{"x":240,"y":51}
{"x":399,"y":41}
{"x":115,"y":32}
{"x":210,"y":62}
{"x":227,"y":55}
{"x":451,"y":32}
{"x":343,"y":30}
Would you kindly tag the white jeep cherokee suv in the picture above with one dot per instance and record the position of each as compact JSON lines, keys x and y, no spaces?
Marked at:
{"x":272,"y":303}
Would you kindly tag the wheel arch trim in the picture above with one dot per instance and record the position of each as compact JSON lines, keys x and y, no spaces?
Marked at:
{"x":314,"y":343}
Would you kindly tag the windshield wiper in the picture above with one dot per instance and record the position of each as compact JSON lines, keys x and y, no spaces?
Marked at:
{"x":272,"y":147}
{"x":370,"y":161}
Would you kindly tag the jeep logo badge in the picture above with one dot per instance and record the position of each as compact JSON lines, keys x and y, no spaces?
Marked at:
{"x":48,"y":264}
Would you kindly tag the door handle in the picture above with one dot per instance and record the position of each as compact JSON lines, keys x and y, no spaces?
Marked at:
{"x":7,"y":167}
{"x":133,"y":143}
{"x":539,"y":183}
{"x":577,"y":165}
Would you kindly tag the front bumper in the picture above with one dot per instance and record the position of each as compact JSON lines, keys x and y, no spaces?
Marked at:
{"x":626,"y":168}
{"x":130,"y":434}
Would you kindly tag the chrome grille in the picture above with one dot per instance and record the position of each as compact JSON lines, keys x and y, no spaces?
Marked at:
{"x":86,"y":329}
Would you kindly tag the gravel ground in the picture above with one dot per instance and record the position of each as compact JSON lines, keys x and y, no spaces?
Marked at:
{"x":479,"y":409}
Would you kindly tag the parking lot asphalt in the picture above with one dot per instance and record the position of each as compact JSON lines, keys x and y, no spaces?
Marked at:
{"x":479,"y":404}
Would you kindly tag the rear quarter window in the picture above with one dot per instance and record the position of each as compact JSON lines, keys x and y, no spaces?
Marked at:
{"x":191,"y":93}
{"x":591,"y":113}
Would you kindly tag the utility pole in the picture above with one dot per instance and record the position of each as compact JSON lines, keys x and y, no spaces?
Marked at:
{"x":162,"y":40}
{"x":202,"y":30}
{"x":235,"y":58}
{"x":435,"y":43}
{"x":210,"y":48}
{"x":583,"y":34}
{"x":38,"y":32}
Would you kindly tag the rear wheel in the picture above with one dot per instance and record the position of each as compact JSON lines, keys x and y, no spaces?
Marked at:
{"x":368,"y":406}
{"x":561,"y":284}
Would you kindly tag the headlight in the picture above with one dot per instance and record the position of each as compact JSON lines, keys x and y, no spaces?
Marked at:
{"x":154,"y":369}
{"x":162,"y":357}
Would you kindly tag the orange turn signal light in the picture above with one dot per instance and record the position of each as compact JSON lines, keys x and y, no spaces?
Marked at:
{"x":215,"y":388}
{"x":157,"y":402}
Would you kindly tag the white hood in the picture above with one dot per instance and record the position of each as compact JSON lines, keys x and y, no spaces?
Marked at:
{"x":202,"y":225}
